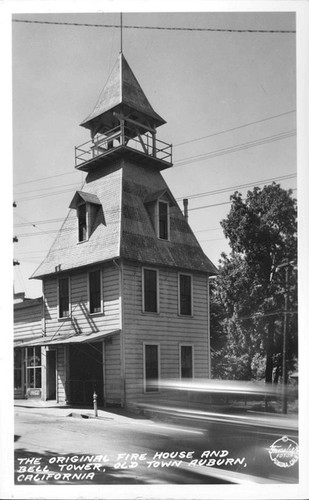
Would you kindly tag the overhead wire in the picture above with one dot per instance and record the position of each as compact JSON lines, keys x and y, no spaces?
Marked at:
{"x":163,"y":28}
{"x":233,"y":128}
{"x":235,"y":148}
{"x":46,"y":188}
{"x":45,"y":178}
{"x":238,"y":186}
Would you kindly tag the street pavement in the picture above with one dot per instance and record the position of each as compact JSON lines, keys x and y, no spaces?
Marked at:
{"x":43,"y":433}
{"x":63,"y":445}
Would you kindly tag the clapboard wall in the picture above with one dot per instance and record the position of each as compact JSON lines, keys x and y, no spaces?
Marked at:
{"x":167,"y":328}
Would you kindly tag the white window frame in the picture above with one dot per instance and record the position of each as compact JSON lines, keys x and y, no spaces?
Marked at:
{"x":58,"y":298}
{"x":180,"y":365}
{"x":158,"y":221}
{"x":101,"y":291}
{"x":179,"y":301}
{"x":143,"y":290}
{"x":34,"y":368}
{"x":157,"y":344}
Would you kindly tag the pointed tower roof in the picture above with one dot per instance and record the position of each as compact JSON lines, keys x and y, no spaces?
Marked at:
{"x":122,"y":92}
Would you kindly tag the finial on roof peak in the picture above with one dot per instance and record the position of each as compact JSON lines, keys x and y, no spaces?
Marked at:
{"x":120,"y":32}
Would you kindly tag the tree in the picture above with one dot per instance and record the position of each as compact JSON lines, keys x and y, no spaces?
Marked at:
{"x":248,"y":295}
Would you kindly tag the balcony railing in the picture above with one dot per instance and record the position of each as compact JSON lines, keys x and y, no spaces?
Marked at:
{"x":119,"y":137}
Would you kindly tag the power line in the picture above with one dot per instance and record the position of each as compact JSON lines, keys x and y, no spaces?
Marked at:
{"x":45,"y":178}
{"x":33,"y":225}
{"x":234,"y":149}
{"x":163,"y":28}
{"x":45,"y":195}
{"x":47,"y":188}
{"x":234,"y":128}
{"x":213,"y":239}
{"x":210,"y":206}
{"x":240,"y":186}
{"x":46,"y":221}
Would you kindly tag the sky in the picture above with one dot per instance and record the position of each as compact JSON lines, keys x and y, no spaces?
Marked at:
{"x":229,"y":100}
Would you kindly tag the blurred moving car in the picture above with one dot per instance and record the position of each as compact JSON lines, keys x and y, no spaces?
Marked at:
{"x":243,"y":417}
{"x":234,"y":402}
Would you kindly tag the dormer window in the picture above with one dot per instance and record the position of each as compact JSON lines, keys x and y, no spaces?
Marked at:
{"x":158,"y":207}
{"x":86,"y":206}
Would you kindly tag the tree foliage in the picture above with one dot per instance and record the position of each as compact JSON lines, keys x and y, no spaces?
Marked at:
{"x":248,"y":296}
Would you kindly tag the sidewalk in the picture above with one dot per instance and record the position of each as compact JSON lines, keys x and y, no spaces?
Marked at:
{"x":59,"y":410}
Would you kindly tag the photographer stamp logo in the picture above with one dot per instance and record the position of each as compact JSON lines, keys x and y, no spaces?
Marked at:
{"x":284,"y":452}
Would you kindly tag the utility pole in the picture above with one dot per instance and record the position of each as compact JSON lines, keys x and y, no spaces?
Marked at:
{"x":284,"y":341}
{"x":285,"y":265}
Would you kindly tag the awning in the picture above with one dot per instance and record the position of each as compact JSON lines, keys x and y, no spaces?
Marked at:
{"x":71,"y":338}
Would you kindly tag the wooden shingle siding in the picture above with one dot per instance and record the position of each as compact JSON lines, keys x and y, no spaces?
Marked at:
{"x":82,"y":321}
{"x":167,"y":328}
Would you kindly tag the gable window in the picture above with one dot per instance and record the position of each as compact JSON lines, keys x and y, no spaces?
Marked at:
{"x":151,"y":367}
{"x":163,"y":219}
{"x":186,"y":361}
{"x":64,"y":297}
{"x":87,"y":206}
{"x":150,"y":290}
{"x":95,"y":292}
{"x":185,"y":294}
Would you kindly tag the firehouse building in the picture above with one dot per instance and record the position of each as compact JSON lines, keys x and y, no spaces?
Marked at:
{"x":125,"y":283}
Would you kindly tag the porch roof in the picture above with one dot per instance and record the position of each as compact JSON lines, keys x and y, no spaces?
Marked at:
{"x":66,"y":338}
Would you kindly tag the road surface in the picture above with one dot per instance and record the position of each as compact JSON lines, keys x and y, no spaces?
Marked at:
{"x":53,"y":449}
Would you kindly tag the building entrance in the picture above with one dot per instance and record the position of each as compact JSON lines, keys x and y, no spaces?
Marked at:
{"x":51,"y":374}
{"x":86,"y":373}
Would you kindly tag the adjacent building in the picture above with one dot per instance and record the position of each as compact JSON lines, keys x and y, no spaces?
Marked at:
{"x":125,"y":283}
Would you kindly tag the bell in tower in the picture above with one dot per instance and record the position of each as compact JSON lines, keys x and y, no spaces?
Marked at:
{"x":123,"y":122}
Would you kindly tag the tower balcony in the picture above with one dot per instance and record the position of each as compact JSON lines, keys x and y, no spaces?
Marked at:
{"x":122,"y":141}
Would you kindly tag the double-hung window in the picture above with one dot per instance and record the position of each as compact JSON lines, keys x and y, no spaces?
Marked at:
{"x":151,"y":367}
{"x":186,"y":361}
{"x":185,"y":294}
{"x":150,"y":290}
{"x":95,"y":292}
{"x":64,"y":297}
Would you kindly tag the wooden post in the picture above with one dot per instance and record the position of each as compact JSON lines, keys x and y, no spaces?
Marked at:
{"x":284,"y":341}
{"x":122,"y":138}
{"x":154,"y":146}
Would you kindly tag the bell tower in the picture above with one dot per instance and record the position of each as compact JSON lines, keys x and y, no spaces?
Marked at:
{"x":123,"y":124}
